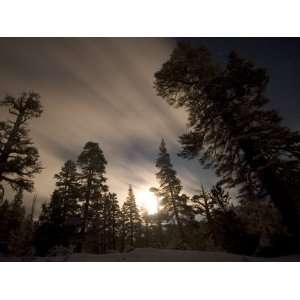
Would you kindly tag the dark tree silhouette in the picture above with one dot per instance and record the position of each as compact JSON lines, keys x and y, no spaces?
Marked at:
{"x":16,"y":229}
{"x":231,"y":129}
{"x":68,"y":189}
{"x":106,"y":221}
{"x":169,"y":191}
{"x":60,"y":218}
{"x":131,"y":219}
{"x":92,"y":163}
{"x":114,"y":221}
{"x":4,"y":220}
{"x":203,"y":205}
{"x":50,"y":226}
{"x":220,"y":198}
{"x":19,"y":159}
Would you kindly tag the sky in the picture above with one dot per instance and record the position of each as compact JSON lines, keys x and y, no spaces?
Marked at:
{"x":101,"y":90}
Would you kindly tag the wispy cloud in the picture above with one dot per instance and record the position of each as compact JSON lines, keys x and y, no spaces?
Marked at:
{"x":99,"y":90}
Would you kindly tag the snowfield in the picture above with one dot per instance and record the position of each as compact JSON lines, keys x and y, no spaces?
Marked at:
{"x":153,"y":255}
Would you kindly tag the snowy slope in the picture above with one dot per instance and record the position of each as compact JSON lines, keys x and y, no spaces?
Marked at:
{"x":153,"y":255}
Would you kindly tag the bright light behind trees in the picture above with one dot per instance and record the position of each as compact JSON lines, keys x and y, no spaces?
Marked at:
{"x":146,"y":199}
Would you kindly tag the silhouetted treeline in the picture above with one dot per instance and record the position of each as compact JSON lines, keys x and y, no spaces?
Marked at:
{"x":230,"y":129}
{"x":82,"y":214}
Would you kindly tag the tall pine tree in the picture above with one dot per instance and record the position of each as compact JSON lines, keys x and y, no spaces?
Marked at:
{"x":13,"y":222}
{"x":131,"y":219}
{"x":68,"y":189}
{"x":169,"y":190}
{"x":19,"y":159}
{"x":231,"y":129}
{"x":50,"y":226}
{"x":114,"y":221}
{"x":92,"y":163}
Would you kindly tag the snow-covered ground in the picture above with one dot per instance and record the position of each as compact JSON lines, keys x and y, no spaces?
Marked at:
{"x":154,"y":255}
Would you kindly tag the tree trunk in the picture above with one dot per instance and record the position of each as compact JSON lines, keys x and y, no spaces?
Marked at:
{"x":178,"y":220}
{"x":131,"y":234}
{"x":276,"y":189}
{"x":160,"y":232}
{"x":85,"y":213}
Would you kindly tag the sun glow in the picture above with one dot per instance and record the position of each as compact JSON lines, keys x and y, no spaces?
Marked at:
{"x":146,"y":199}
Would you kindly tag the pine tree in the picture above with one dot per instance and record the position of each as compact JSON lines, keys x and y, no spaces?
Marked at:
{"x":123,"y":230}
{"x":131,"y":219}
{"x":96,"y":223}
{"x":68,"y":188}
{"x":114,"y":220}
{"x":101,"y":221}
{"x":169,"y":190}
{"x":29,"y":230}
{"x":92,"y":163}
{"x":56,"y":209}
{"x":231,"y":129}
{"x":203,"y":205}
{"x":109,"y":218}
{"x":50,"y":230}
{"x":15,"y":229}
{"x":33,"y":205}
{"x":60,"y":218}
{"x":17,"y":211}
{"x":19,"y":159}
{"x":220,"y":198}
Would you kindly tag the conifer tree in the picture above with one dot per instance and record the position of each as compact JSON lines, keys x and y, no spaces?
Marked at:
{"x":28,"y":230}
{"x":169,"y":190}
{"x":13,"y":221}
{"x":56,"y":209}
{"x":33,"y":205}
{"x":220,"y":198}
{"x":92,"y":163}
{"x":231,"y":129}
{"x":104,"y":221}
{"x":131,"y":219}
{"x":20,"y":231}
{"x":50,"y":227}
{"x":68,"y":189}
{"x":16,"y":212}
{"x":114,"y":220}
{"x":19,"y":159}
{"x":97,"y":222}
{"x":123,"y":230}
{"x":203,"y":205}
{"x":60,"y":218}
{"x":108,"y":221}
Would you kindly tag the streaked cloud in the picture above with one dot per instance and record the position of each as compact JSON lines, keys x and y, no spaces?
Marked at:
{"x":99,"y":90}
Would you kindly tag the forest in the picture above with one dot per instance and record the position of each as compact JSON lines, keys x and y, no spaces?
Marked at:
{"x":252,"y":209}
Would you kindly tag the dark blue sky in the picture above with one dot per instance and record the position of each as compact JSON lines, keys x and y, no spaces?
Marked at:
{"x":281,"y":58}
